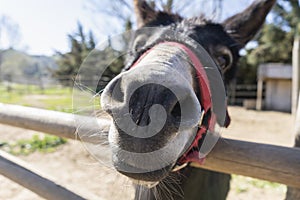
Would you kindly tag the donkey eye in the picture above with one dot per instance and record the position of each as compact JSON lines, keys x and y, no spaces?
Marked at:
{"x":224,"y":61}
{"x":139,"y":42}
{"x":223,"y":57}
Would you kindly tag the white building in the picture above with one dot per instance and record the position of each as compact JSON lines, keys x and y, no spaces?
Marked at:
{"x":278,"y":87}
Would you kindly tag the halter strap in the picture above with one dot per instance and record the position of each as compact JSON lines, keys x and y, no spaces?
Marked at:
{"x":205,"y":100}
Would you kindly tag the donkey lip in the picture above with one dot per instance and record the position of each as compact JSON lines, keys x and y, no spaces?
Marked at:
{"x":148,"y":184}
{"x":142,"y":176}
{"x":179,"y":167}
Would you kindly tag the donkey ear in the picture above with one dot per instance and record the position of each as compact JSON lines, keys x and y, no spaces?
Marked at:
{"x":243,"y":26}
{"x":144,"y":13}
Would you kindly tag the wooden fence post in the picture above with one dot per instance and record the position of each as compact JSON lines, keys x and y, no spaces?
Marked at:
{"x":294,"y":193}
{"x":297,"y":125}
{"x":259,"y":99}
{"x":296,"y":74}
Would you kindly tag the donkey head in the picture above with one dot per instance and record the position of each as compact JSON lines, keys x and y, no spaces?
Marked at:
{"x":159,"y":92}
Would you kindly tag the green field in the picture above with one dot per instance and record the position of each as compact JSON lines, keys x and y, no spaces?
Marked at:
{"x":242,"y":184}
{"x":56,"y":98}
{"x":52,"y":98}
{"x":45,"y":143}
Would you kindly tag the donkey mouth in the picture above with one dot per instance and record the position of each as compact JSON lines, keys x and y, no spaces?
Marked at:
{"x":143,"y":178}
{"x":147,"y":168}
{"x":146,"y":183}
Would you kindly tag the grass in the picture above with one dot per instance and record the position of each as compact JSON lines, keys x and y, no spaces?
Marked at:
{"x":55,"y":98}
{"x":62,"y":104}
{"x":243,"y":184}
{"x":47,"y":144}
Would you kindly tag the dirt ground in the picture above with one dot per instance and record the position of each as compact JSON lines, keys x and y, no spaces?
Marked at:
{"x":72,"y":166}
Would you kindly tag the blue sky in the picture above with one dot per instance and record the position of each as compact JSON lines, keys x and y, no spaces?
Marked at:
{"x":44,"y":25}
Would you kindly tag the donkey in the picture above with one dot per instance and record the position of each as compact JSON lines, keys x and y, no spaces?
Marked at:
{"x":163,"y":60}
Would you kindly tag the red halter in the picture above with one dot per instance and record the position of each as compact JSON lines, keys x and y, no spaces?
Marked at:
{"x":192,"y":155}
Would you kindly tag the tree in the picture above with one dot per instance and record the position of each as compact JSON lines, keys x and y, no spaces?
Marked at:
{"x":69,"y":63}
{"x":104,"y":64}
{"x":275,"y":41}
{"x":10,"y":30}
{"x":287,"y":13}
{"x":122,"y":9}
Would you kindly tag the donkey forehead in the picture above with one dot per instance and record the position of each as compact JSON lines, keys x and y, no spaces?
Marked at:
{"x":209,"y":35}
{"x":205,"y":33}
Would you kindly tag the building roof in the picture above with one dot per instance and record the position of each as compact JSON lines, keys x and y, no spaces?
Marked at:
{"x":275,"y":71}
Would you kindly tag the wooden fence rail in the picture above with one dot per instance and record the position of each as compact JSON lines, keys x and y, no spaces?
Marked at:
{"x":268,"y":162}
{"x":21,"y":173}
{"x":53,"y":122}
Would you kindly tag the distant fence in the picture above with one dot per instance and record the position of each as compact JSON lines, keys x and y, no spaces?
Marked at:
{"x":238,"y":93}
{"x":268,"y":162}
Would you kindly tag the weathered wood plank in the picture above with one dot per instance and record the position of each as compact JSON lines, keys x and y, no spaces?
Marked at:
{"x":297,"y":124}
{"x":294,"y":193}
{"x":268,"y":162}
{"x":18,"y":171}
{"x":57,"y":123}
{"x":296,"y":74}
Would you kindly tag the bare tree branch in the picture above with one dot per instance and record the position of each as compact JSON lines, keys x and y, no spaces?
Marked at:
{"x":11,"y":29}
{"x":123,"y":9}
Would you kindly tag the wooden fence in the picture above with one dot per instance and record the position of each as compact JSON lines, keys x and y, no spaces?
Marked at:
{"x":25,"y":175}
{"x":238,"y":93}
{"x":268,"y":162}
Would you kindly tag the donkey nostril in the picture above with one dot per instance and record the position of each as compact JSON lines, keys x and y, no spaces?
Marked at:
{"x":115,"y":90}
{"x":186,"y":112}
{"x":112,"y":95}
{"x":176,"y":111}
